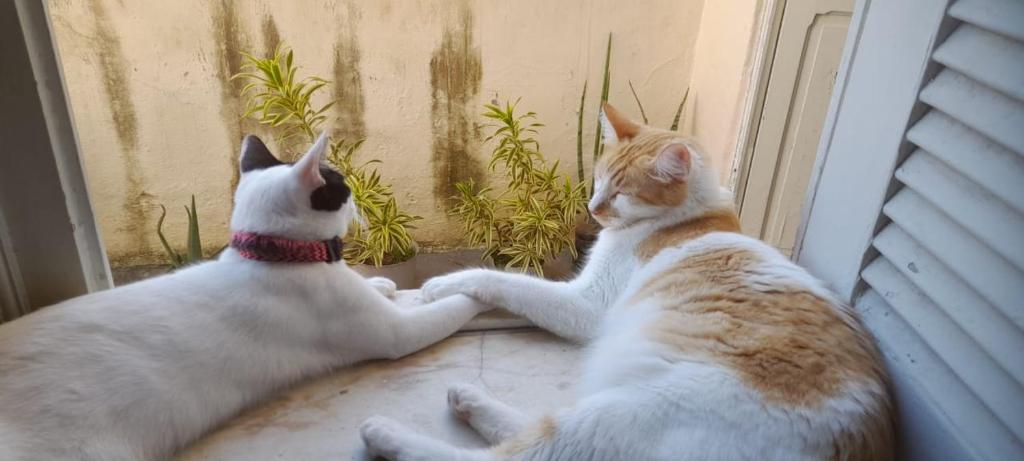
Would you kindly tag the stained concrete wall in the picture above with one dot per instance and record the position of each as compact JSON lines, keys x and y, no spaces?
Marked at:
{"x":158,"y":120}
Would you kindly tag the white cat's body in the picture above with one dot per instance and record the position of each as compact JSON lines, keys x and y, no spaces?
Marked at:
{"x":136,"y":372}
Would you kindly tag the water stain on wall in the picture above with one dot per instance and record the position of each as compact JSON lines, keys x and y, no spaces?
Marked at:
{"x":271,"y":36}
{"x":455,"y":74}
{"x":350,"y":99}
{"x":115,"y":69}
{"x":231,"y":41}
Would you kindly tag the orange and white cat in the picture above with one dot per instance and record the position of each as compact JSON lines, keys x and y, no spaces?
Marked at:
{"x":704,"y":344}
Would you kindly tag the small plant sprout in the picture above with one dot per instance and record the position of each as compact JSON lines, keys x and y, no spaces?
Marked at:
{"x":193,"y":244}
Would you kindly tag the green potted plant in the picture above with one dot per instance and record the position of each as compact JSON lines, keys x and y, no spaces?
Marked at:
{"x":379,"y":242}
{"x":531,"y":223}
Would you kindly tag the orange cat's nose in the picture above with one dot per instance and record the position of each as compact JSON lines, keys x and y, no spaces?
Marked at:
{"x":599,"y":209}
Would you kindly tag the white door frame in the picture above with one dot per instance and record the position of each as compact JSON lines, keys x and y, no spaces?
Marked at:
{"x":50,"y":248}
{"x":782,"y":114}
{"x":768,"y":25}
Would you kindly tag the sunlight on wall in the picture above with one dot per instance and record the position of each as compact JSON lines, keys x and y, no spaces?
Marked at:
{"x":724,"y":51}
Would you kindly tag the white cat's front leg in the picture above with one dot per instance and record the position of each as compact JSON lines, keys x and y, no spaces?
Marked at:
{"x":471,"y":282}
{"x":383,"y":285}
{"x":553,"y":306}
{"x":399,"y":331}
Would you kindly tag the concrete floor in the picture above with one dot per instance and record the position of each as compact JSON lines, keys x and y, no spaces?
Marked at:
{"x":527,"y":368}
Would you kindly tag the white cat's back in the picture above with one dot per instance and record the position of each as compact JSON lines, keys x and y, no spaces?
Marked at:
{"x":114,"y":365}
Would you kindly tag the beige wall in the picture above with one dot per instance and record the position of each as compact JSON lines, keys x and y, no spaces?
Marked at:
{"x":724,"y":55}
{"x":157,"y":120}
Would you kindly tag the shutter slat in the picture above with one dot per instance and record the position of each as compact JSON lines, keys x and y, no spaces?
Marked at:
{"x":974,"y":262}
{"x":923,"y":383}
{"x":1001,"y":16}
{"x":990,"y":165}
{"x":959,"y":351}
{"x":979,"y":107}
{"x":992,"y":59}
{"x":1002,"y":340}
{"x":945,"y":288}
{"x":987,"y":217}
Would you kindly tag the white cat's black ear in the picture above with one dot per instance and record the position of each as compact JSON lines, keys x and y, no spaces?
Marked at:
{"x":615,"y":127}
{"x":307,"y":169}
{"x":673,"y":163}
{"x":255,"y":155}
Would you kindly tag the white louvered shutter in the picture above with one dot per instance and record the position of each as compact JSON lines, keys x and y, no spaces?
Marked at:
{"x":950,"y":255}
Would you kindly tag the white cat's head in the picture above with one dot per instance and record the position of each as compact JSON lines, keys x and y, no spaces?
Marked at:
{"x":649,"y":173}
{"x":304,"y":200}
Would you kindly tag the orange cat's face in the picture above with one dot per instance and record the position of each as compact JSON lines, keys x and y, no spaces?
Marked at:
{"x":642,"y":174}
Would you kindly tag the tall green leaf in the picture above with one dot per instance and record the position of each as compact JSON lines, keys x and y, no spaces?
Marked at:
{"x":604,"y":98}
{"x":679,"y":111}
{"x":643,"y":114}
{"x":195,"y":245}
{"x":579,"y":135}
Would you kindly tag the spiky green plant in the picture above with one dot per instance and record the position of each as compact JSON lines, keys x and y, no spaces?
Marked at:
{"x":385,"y":239}
{"x":636,"y":98}
{"x":278,"y":98}
{"x":193,"y":243}
{"x":579,"y":135}
{"x":598,"y":147}
{"x":533,"y":220}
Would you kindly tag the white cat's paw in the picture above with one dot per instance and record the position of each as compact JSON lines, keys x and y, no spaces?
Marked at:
{"x":384,"y":285}
{"x":465,"y":399}
{"x":465,"y":282}
{"x":382,"y":437}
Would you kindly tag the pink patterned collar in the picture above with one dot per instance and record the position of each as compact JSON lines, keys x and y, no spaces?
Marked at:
{"x":284,"y":250}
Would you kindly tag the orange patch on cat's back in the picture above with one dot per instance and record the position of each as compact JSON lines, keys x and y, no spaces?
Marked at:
{"x":723,"y":220}
{"x":785,"y":341}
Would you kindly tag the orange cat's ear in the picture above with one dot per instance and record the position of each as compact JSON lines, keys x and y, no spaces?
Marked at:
{"x":673,"y":163}
{"x":615,"y":126}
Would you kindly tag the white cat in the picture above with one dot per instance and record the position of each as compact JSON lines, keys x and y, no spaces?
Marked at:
{"x":704,"y":344}
{"x":137,"y":372}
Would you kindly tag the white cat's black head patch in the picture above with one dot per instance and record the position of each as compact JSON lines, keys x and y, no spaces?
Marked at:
{"x":332,"y":195}
{"x":256,"y":156}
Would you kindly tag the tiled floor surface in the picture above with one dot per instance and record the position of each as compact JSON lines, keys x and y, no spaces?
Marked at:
{"x":318,"y":420}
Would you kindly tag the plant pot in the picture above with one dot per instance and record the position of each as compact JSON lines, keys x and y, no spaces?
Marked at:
{"x":561,"y":268}
{"x":403,"y":273}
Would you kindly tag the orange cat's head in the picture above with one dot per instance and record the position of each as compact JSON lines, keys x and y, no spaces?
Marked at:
{"x":649,"y":173}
